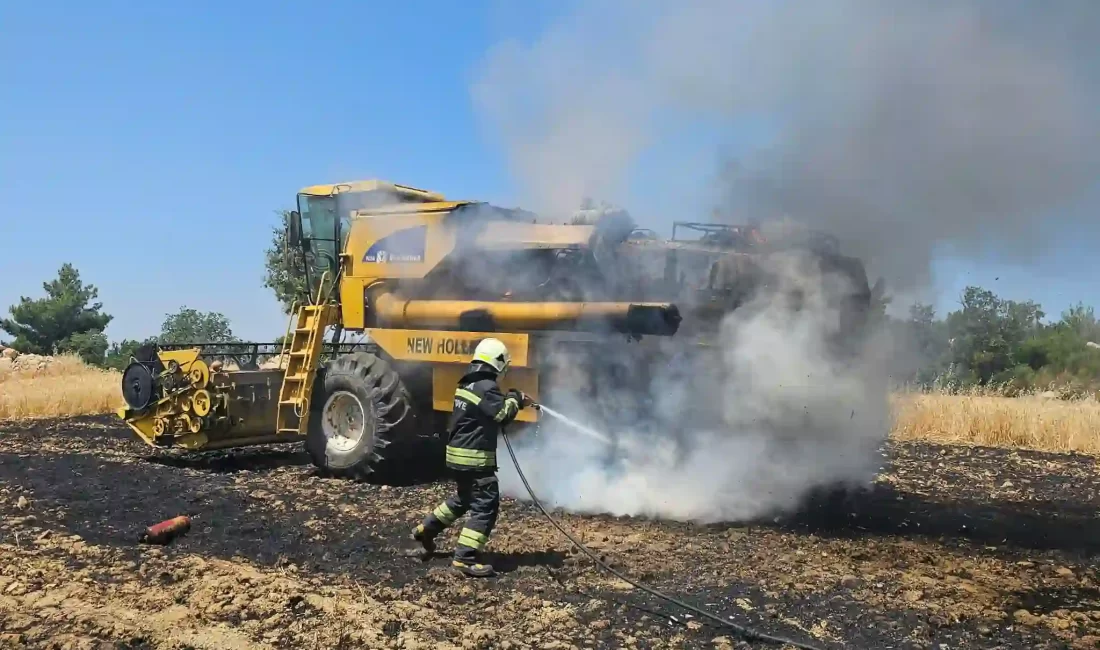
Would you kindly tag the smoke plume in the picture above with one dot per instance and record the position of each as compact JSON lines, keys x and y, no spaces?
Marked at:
{"x":743,"y":429}
{"x":900,"y":126}
{"x":905,"y":129}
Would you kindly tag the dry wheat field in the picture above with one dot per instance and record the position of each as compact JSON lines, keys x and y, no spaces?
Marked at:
{"x":66,"y":387}
{"x":974,"y":535}
{"x":59,"y":387}
{"x":982,"y":418}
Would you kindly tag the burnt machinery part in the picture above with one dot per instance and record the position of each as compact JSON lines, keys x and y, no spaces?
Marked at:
{"x":147,"y":354}
{"x":138,"y":385}
{"x":653,"y":320}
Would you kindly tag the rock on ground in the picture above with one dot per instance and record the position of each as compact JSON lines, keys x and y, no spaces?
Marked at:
{"x":12,"y":360}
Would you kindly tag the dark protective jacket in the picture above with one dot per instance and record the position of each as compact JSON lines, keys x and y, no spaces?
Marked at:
{"x":480,"y":410}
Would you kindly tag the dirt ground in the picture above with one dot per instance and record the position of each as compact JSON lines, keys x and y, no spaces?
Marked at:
{"x":953,"y":548}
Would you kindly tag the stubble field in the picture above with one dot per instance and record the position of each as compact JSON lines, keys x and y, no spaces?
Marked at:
{"x":954,"y":546}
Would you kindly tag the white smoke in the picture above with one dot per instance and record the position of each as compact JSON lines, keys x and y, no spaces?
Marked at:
{"x":744,"y":429}
{"x":903,"y":128}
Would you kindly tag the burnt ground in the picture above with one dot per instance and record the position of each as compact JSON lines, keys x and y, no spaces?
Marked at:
{"x":952,"y":548}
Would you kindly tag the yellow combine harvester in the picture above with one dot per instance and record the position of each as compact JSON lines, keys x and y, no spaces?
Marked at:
{"x":425,"y":279}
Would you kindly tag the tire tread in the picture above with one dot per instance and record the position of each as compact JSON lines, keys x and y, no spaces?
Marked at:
{"x":391,"y":403}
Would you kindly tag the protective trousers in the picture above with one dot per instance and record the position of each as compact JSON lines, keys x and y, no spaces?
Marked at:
{"x":478,"y":493}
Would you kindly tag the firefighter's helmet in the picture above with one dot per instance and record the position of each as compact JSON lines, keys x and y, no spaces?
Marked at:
{"x":494,"y":353}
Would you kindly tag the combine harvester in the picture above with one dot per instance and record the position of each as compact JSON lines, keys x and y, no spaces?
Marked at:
{"x":425,"y":279}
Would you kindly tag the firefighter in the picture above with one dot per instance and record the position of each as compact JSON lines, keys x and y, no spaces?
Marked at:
{"x":480,"y":410}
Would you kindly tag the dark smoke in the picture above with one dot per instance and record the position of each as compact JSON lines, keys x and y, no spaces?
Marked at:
{"x":906,"y":129}
{"x":934,"y":127}
{"x":903,"y":128}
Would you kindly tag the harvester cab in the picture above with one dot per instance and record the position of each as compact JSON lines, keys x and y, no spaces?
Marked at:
{"x":424,"y":279}
{"x":319,"y":228}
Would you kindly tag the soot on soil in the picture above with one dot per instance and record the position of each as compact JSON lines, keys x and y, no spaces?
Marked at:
{"x":952,"y":547}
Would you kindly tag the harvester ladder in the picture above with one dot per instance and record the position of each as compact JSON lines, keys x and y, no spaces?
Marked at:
{"x":302,"y":351}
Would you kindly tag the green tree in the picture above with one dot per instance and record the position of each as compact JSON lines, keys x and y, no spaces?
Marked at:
{"x":90,"y":346}
{"x":283,"y":266}
{"x":929,"y":339}
{"x":193,"y":326}
{"x":1082,"y":320}
{"x":992,"y":340}
{"x":1060,"y":353}
{"x":987,"y":333}
{"x":880,"y":302}
{"x":66,"y":320}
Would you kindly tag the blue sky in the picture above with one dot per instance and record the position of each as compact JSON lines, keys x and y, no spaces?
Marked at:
{"x":151,"y":145}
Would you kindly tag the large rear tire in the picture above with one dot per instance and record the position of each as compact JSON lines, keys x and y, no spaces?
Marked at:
{"x":359,"y":415}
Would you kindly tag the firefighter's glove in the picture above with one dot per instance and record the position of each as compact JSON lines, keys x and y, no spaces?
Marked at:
{"x":521,"y":397}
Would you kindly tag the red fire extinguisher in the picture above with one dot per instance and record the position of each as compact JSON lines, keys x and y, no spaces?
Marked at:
{"x":166,"y":531}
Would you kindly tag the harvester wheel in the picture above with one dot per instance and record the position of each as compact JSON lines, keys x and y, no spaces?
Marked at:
{"x":356,"y":408}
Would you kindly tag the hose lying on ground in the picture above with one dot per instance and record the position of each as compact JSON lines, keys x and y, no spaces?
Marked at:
{"x":743,"y":632}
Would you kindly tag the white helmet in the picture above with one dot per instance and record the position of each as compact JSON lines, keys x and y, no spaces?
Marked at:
{"x":494,"y":353}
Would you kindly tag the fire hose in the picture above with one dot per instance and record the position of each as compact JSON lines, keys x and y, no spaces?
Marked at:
{"x":745,"y":633}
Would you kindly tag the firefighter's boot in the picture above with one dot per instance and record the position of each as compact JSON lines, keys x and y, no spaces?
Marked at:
{"x":426,"y":540}
{"x":472,"y":569}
